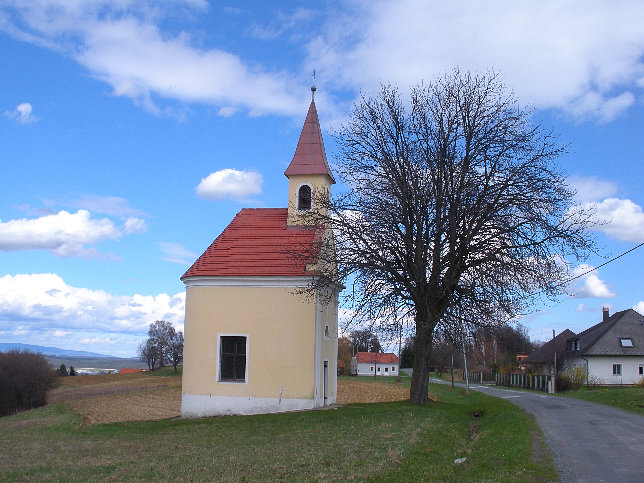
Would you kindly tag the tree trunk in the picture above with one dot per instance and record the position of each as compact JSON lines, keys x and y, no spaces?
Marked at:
{"x":420,"y":376}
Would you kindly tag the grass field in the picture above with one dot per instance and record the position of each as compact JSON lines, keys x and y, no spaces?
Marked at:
{"x":629,"y":398}
{"x":393,"y":441}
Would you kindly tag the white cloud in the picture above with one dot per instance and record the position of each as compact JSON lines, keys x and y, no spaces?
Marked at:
{"x":134,"y":225}
{"x":590,"y":285}
{"x":93,"y":340}
{"x":586,"y":61}
{"x":64,"y":234}
{"x":177,"y":253}
{"x":639,"y":307}
{"x":22,"y":113}
{"x":591,"y":188}
{"x":107,"y":205}
{"x":38,"y":302}
{"x":123,"y":44}
{"x":621,"y":219}
{"x":230,"y":183}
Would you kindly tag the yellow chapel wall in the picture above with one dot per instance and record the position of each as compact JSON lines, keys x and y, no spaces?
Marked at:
{"x":329,"y":347}
{"x":280,"y":326}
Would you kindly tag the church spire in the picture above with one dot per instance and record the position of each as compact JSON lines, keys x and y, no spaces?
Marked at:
{"x":310,"y":157}
{"x":309,"y":175}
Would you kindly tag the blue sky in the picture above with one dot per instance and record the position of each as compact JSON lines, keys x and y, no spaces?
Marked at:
{"x":132,"y":131}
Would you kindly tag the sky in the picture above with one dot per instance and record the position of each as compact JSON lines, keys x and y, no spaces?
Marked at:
{"x":132,"y":132}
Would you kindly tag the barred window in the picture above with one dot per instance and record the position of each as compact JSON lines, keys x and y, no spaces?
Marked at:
{"x":232,"y":358}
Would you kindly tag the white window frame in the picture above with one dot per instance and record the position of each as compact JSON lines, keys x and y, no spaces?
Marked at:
{"x":617,"y":369}
{"x":297,"y":198}
{"x":219,"y":336}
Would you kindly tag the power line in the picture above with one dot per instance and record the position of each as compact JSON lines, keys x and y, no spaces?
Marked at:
{"x":599,"y":266}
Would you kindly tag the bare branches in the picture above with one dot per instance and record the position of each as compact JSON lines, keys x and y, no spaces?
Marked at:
{"x":456,"y":209}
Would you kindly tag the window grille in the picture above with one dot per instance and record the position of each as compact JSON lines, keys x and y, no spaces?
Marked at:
{"x":232,"y":362}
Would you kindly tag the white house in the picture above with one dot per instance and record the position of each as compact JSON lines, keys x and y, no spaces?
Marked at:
{"x":371,"y":363}
{"x":611,"y":352}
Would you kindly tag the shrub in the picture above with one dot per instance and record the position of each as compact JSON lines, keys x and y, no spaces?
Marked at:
{"x":563,"y":382}
{"x":640,"y":383}
{"x":25,"y":378}
{"x":572,"y":378}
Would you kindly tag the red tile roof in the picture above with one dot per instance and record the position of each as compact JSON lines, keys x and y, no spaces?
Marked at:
{"x":258,"y":243}
{"x":310,"y":157}
{"x":387,"y":358}
{"x":127,"y":370}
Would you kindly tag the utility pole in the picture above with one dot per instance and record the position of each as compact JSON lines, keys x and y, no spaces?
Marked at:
{"x":554,"y":345}
{"x":467,"y":379}
{"x":452,"y":366}
{"x":399,"y":343}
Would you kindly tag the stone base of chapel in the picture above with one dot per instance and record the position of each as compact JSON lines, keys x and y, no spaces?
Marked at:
{"x":198,"y":406}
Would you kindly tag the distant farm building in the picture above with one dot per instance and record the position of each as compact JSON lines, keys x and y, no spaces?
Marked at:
{"x":376,"y":364}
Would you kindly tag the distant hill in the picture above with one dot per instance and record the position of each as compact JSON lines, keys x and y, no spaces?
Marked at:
{"x":49,"y":351}
{"x":79,"y":359}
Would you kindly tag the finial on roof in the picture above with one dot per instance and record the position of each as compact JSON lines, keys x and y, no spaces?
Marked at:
{"x":313,"y":88}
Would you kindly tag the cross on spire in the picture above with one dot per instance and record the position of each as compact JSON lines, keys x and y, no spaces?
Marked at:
{"x":313,"y":88}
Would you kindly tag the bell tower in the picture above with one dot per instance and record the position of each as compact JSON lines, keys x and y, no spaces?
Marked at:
{"x":309,"y":175}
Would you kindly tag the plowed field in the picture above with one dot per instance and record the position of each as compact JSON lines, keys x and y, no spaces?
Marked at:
{"x":132,"y":397}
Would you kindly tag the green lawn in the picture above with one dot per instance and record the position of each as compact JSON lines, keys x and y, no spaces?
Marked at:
{"x":376,"y":442}
{"x":629,"y":398}
{"x":167,"y":371}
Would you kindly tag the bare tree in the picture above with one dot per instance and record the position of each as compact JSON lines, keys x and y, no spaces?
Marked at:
{"x":147,"y":353}
{"x":175,"y":349}
{"x":164,"y":345}
{"x":455,"y":210}
{"x":365,"y":341}
{"x":160,"y":333}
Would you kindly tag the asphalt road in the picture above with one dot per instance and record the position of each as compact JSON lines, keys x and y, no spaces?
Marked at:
{"x":591,"y":442}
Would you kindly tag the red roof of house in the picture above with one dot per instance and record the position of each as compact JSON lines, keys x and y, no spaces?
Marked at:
{"x":127,"y":370}
{"x":387,"y":358}
{"x":310,"y":157}
{"x":258,"y":243}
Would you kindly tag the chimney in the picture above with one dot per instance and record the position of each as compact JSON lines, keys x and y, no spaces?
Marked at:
{"x":605,"y":313}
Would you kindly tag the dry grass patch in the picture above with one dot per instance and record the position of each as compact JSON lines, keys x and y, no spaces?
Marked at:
{"x":134,"y":406}
{"x":111,"y":398}
{"x":356,"y":391}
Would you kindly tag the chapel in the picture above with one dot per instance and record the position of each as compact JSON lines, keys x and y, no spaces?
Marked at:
{"x":258,"y":337}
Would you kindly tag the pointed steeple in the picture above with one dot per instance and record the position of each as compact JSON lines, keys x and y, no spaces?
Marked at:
{"x":310,"y":157}
{"x":309,"y":176}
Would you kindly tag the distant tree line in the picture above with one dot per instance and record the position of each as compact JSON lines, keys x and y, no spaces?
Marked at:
{"x":163,"y":347}
{"x":488,"y":349}
{"x":63,"y":372}
{"x":25,"y":378}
